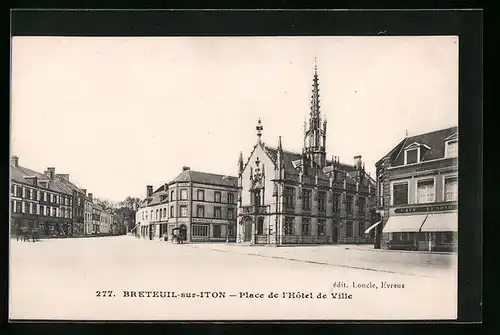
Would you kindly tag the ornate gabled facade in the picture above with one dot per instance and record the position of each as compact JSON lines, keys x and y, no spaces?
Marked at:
{"x":293,"y":198}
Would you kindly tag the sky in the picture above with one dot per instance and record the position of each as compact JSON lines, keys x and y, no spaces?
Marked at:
{"x":118,"y":114}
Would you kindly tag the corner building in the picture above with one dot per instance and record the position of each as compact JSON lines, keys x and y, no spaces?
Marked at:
{"x":301,"y":197}
{"x":417,"y":183}
{"x":201,"y":205}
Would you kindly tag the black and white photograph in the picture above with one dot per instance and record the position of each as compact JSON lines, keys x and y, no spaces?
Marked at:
{"x":234,"y":178}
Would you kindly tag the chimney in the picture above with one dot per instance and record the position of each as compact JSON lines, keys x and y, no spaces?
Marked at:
{"x":50,"y":172}
{"x":14,"y":161}
{"x":186,"y":168}
{"x":149,"y":190}
{"x":90,"y":197}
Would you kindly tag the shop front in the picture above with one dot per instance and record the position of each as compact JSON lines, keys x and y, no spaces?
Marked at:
{"x":211,"y":230}
{"x":423,"y":228}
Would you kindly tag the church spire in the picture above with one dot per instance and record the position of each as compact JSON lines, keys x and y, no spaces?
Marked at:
{"x":315,"y":135}
{"x":240,"y":163}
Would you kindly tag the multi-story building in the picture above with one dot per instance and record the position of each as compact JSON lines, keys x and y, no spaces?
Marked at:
{"x":87,"y":221}
{"x":106,"y":222}
{"x":39,"y":201}
{"x":301,"y":197}
{"x":418,"y":188}
{"x":96,"y":218}
{"x":78,"y":203}
{"x":202,"y":206}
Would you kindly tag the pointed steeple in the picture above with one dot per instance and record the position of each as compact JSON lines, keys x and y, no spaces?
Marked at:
{"x":240,"y":163}
{"x":315,"y":134}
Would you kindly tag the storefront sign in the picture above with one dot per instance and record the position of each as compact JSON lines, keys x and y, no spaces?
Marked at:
{"x":430,"y":208}
{"x":201,"y":220}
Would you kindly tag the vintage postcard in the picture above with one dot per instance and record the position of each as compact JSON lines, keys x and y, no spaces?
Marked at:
{"x":234,"y":178}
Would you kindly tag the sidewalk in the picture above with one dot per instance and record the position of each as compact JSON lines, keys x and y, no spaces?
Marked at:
{"x":345,"y":256}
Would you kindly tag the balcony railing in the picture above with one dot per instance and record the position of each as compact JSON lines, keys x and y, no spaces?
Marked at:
{"x":253,"y":210}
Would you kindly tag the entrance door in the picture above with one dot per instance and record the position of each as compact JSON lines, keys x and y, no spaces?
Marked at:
{"x":335,"y":234}
{"x":248,"y":230}
{"x":183,"y":232}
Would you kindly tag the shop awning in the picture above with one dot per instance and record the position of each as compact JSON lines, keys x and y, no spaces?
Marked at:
{"x":371,"y":227}
{"x":404,"y":224}
{"x":442,"y":222}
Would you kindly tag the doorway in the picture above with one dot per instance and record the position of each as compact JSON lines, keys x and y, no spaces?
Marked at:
{"x":247,"y":230}
{"x":335,"y":234}
{"x":183,"y":232}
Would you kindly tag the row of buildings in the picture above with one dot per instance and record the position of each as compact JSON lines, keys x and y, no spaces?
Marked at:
{"x":284,"y":197}
{"x":54,"y":206}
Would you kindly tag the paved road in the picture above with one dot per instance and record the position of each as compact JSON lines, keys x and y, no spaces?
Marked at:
{"x":59,"y":279}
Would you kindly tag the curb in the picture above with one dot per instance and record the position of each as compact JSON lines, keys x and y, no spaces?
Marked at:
{"x":326,"y":263}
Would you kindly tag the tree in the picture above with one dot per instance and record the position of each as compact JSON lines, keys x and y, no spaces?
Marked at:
{"x":131,"y":203}
{"x":107,"y":205}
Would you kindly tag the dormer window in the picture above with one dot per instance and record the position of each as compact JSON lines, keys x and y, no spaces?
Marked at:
{"x":414,"y":153}
{"x":451,"y":149}
{"x":412,"y":156}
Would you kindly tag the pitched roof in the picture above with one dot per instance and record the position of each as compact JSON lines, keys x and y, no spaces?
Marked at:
{"x":289,"y":157}
{"x":19,"y":173}
{"x":206,"y":178}
{"x":433,"y":144}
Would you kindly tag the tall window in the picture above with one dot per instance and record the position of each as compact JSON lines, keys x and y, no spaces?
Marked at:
{"x":12,"y":189}
{"x":452,"y":149}
{"x":306,"y":200}
{"x":27,"y":194}
{"x":362,"y":205}
{"x":260,"y":226}
{"x":289,"y":197}
{"x":306,"y":227}
{"x":42,"y":195}
{"x":54,"y":211}
{"x":47,"y":211}
{"x":230,"y":213}
{"x":217,"y":197}
{"x":200,"y":211}
{"x":217,"y":230}
{"x":42,"y":210}
{"x":217,"y":212}
{"x":33,"y":208}
{"x":451,"y":189}
{"x":411,"y":156}
{"x":164,"y":212}
{"x":336,"y":202}
{"x":348,"y":229}
{"x":425,"y":191}
{"x":199,"y":230}
{"x":171,"y":211}
{"x":322,"y":201}
{"x":184,"y":194}
{"x":289,"y":228}
{"x":349,"y":203}
{"x":400,"y":194}
{"x":321,"y":227}
{"x":172,"y":195}
{"x":361,"y":229}
{"x":33,"y":194}
{"x":230,"y":198}
{"x":19,"y":191}
{"x":201,"y":195}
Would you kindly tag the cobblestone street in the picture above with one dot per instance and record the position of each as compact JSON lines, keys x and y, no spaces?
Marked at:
{"x":59,"y":278}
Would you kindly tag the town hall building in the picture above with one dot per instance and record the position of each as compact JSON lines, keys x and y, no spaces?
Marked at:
{"x":302,"y":197}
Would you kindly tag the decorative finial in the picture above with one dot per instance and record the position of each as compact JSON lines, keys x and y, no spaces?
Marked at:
{"x":315,"y":65}
{"x":259,"y":129}
{"x":257,"y":162}
{"x":240,"y":163}
{"x":406,"y":133}
{"x":279,"y":144}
